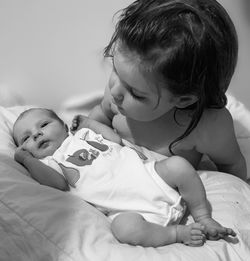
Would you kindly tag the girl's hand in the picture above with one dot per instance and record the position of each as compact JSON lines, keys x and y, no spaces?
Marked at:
{"x":21,"y":154}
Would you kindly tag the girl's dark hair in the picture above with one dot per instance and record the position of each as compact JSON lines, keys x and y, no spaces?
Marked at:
{"x":191,"y":45}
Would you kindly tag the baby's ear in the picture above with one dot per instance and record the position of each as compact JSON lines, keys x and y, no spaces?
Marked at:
{"x":185,"y":101}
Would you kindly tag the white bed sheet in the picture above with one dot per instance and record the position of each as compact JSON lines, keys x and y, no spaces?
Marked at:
{"x":38,"y":223}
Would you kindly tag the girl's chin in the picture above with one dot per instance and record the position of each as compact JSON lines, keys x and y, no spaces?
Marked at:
{"x":141,"y":119}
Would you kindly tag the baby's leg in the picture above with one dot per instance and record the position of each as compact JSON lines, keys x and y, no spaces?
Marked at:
{"x":133,"y":229}
{"x":179,"y":174}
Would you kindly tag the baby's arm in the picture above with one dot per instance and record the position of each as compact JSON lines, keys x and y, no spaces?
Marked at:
{"x":107,"y":132}
{"x":42,"y":173}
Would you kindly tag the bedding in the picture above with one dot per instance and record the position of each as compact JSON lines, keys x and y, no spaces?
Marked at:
{"x":39,"y":223}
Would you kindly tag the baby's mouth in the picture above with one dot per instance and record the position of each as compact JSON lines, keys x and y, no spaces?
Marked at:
{"x":43,"y":144}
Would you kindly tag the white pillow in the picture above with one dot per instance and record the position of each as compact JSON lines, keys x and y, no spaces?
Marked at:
{"x":241,"y":117}
{"x":7,"y":118}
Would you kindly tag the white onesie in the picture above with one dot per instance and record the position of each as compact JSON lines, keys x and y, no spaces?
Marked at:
{"x":115,"y":179}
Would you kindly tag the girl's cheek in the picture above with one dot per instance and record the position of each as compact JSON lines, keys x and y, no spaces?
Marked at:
{"x":112,"y":78}
{"x":130,"y":105}
{"x":111,"y":83}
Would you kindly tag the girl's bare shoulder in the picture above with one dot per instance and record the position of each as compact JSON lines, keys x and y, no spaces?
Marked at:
{"x":215,"y":126}
{"x":217,"y":118}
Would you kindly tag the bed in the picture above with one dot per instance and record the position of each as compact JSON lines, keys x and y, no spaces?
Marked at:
{"x":39,"y":223}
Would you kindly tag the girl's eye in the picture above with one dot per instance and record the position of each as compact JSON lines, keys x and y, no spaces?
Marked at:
{"x":137,"y":97}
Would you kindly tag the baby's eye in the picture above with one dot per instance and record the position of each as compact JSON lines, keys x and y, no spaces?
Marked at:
{"x":24,"y":139}
{"x":44,"y":124}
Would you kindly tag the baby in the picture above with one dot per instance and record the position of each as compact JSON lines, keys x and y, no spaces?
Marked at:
{"x":145,"y":200}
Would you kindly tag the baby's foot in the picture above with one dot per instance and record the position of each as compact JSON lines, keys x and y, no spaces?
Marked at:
{"x":214,"y":230}
{"x":192,"y":235}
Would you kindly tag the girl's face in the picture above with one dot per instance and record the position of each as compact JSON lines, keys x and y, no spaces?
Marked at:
{"x":39,"y":133}
{"x":135,"y":93}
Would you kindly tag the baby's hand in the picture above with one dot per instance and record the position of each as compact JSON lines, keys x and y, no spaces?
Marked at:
{"x":77,"y":123}
{"x":21,"y":154}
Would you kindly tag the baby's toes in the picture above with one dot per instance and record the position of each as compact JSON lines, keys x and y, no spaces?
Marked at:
{"x":220,"y":232}
{"x":227,"y":232}
{"x":230,"y":232}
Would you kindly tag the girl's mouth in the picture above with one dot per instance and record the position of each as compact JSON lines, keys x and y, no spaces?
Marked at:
{"x":121,"y":110}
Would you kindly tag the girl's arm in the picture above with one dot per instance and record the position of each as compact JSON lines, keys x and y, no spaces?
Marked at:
{"x":107,"y":132}
{"x":218,"y":140}
{"x":237,"y":168}
{"x":42,"y":173}
{"x":98,"y":114}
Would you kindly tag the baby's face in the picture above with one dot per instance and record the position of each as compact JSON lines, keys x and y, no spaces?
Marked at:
{"x":39,"y":133}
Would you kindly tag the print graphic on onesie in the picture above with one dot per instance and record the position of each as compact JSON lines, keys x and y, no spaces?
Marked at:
{"x":82,"y":157}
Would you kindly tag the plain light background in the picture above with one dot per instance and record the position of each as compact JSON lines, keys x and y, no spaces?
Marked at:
{"x":51,"y":50}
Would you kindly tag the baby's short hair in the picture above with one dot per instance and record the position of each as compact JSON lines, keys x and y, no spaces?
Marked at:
{"x":51,"y":112}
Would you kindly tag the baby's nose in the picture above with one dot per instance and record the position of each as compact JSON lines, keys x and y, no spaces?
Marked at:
{"x":37,"y":134}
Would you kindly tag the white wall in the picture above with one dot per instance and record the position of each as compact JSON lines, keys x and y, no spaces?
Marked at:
{"x":239,"y":11}
{"x":52,"y":49}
